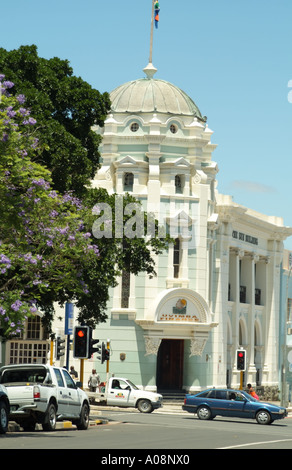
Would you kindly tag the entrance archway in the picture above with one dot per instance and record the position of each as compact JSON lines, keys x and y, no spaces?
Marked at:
{"x":170,"y":361}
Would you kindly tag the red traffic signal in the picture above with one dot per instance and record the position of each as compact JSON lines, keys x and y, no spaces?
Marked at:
{"x":240,"y":359}
{"x":81,"y":342}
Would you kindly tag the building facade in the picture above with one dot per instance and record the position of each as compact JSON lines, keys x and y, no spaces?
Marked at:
{"x":217,"y":287}
{"x":285,"y":343}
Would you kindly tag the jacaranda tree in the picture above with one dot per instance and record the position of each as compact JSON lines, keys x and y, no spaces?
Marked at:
{"x":48,"y":252}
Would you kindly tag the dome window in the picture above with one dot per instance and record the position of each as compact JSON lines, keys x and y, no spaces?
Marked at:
{"x":173,"y":128}
{"x":134,"y":127}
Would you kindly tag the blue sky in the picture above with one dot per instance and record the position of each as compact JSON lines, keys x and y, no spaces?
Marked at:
{"x":233,"y":58}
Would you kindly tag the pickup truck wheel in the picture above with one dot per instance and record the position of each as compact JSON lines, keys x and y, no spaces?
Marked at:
{"x":50,"y":419}
{"x":82,"y":424}
{"x":3,"y":418}
{"x":144,"y":406}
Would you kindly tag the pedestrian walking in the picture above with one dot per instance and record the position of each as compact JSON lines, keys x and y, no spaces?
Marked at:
{"x":73,"y":372}
{"x":252,"y":392}
{"x":93,"y":381}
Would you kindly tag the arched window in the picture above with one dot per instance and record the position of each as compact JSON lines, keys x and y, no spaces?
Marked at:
{"x":128,"y":182}
{"x":179,"y":184}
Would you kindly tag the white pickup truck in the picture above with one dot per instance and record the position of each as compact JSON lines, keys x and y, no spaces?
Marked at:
{"x":122,"y":392}
{"x":44,"y":394}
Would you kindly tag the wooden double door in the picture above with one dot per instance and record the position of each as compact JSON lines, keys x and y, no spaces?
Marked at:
{"x":170,"y":360}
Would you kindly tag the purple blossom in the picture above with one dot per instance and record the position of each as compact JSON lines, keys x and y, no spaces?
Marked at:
{"x":20,"y":99}
{"x":2,"y":311}
{"x":54,"y":213}
{"x":5,"y":260}
{"x":49,"y":243}
{"x":8,"y":84}
{"x":16,"y":305}
{"x":31,"y":121}
{"x":40,"y":182}
{"x":24,"y":112}
{"x":10,"y":113}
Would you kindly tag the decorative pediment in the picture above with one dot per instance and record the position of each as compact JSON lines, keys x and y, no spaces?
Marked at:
{"x":126,"y":161}
{"x":182,"y":162}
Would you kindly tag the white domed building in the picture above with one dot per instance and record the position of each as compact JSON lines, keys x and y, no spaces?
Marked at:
{"x":217,"y":287}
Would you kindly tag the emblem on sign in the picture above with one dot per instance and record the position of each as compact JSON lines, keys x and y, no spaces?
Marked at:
{"x":180,"y":307}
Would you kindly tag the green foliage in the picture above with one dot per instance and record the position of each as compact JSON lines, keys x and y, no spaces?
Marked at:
{"x":66,"y":108}
{"x":48,"y":252}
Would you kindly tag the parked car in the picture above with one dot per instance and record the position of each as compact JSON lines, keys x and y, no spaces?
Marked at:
{"x":44,"y":394}
{"x":232,"y":403}
{"x":4,"y":410}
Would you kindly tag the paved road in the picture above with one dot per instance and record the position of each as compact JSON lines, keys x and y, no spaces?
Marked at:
{"x":178,"y":433}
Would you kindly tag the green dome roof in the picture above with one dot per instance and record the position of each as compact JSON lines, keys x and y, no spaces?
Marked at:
{"x":147,"y":95}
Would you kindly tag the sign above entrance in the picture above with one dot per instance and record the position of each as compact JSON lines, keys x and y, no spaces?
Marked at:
{"x":179,"y":310}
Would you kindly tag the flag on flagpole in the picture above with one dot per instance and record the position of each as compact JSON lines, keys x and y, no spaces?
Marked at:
{"x":156,"y":13}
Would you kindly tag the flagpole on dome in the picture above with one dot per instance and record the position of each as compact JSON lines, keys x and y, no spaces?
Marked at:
{"x":150,"y":70}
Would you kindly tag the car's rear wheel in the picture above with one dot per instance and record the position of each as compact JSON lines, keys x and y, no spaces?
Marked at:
{"x":51,"y":418}
{"x":203,"y":412}
{"x":3,"y":418}
{"x":263,"y":417}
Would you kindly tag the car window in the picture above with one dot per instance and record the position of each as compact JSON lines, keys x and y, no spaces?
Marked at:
{"x":59,"y":377}
{"x":212,"y":394}
{"x":237,"y":396}
{"x":221,"y":394}
{"x":204,"y":394}
{"x":69,"y":381}
{"x":120,"y":384}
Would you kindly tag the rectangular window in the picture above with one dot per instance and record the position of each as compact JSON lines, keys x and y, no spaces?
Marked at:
{"x":34,"y":327}
{"x":289,"y":310}
{"x":176,"y":258}
{"x":258,"y":296}
{"x":128,"y":182}
{"x":242,"y":294}
{"x":125,"y":289}
{"x":23,"y":352}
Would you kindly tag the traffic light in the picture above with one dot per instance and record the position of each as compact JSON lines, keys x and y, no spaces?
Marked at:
{"x":60,"y":349}
{"x":240,"y":359}
{"x":92,"y":342}
{"x":104,"y":353}
{"x":81,"y":342}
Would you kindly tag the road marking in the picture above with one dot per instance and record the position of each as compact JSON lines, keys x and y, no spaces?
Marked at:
{"x":255,"y":444}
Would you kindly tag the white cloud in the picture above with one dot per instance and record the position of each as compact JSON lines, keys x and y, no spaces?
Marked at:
{"x":252,"y":187}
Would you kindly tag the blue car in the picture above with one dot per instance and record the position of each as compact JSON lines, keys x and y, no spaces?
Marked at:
{"x":232,"y":403}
